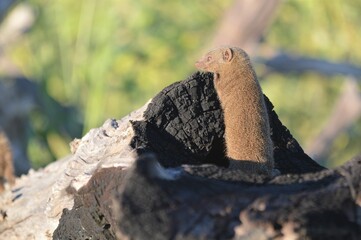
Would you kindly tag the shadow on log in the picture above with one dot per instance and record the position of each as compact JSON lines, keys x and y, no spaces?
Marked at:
{"x":161,"y":198}
{"x":156,"y":203}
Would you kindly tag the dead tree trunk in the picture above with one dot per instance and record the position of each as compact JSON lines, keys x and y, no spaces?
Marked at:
{"x":346,"y":112}
{"x":244,"y":23}
{"x":159,"y":197}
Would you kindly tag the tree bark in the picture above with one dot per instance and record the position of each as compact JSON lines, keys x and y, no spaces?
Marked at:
{"x":98,"y":196}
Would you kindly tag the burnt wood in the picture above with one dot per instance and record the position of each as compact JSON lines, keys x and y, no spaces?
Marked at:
{"x":161,"y":198}
{"x":184,"y":125}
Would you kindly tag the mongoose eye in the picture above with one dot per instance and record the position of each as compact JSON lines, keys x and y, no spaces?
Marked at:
{"x":209,"y":58}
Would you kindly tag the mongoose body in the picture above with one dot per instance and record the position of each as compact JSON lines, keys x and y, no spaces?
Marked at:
{"x":247,"y":131}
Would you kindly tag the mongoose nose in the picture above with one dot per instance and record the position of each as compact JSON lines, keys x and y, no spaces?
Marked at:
{"x":198,"y":64}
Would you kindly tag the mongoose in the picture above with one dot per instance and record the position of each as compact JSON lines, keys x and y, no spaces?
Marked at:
{"x":6,"y":162}
{"x":247,"y":131}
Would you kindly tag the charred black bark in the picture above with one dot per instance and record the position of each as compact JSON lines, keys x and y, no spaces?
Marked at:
{"x":184,"y":125}
{"x":148,"y":201}
{"x":171,"y":204}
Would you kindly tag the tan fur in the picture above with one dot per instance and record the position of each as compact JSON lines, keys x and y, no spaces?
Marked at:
{"x":247,"y":131}
{"x":6,"y":162}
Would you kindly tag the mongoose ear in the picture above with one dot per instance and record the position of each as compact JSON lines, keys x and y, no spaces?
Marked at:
{"x":227,"y":55}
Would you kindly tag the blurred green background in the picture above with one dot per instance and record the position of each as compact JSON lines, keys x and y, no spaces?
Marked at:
{"x":107,"y":58}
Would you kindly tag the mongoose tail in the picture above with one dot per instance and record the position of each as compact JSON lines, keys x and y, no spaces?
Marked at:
{"x":247,"y":131}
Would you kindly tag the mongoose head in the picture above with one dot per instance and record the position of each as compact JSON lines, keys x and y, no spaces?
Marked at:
{"x":220,"y":60}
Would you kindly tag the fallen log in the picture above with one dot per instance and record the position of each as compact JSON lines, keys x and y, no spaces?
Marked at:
{"x":179,"y":186}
